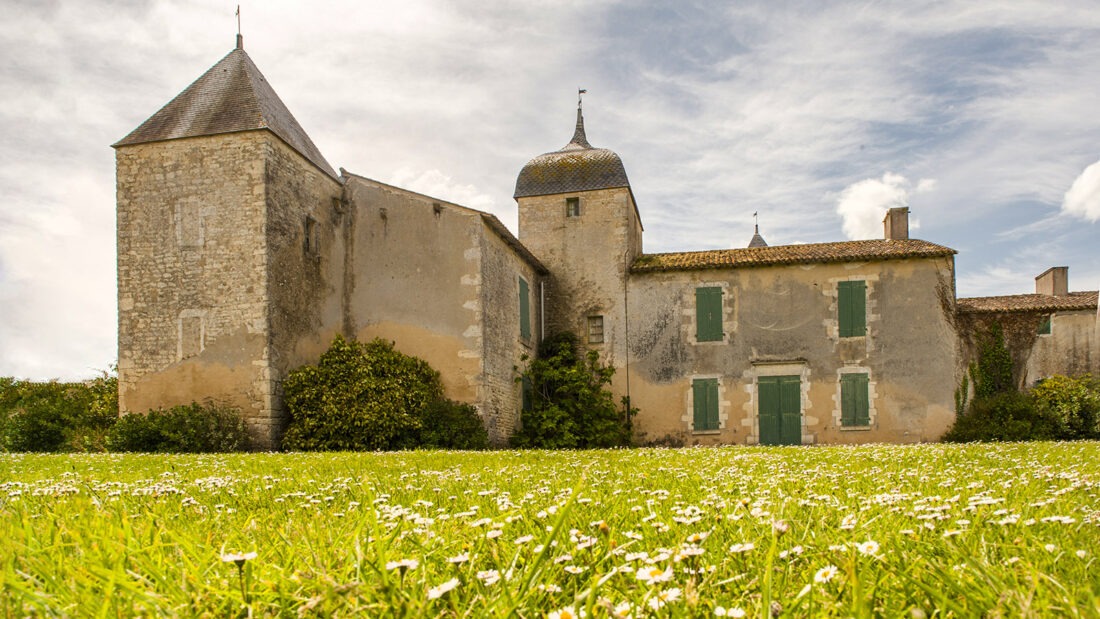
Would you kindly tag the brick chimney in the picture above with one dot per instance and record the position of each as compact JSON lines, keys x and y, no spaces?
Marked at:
{"x":1054,"y":281}
{"x":896,"y":224}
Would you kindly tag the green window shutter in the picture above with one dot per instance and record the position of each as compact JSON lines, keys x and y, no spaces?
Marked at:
{"x":524,"y":310}
{"x":704,"y":395}
{"x":852,"y":308}
{"x":708,"y":314}
{"x":768,"y":389}
{"x":790,"y":398}
{"x":855,"y":408}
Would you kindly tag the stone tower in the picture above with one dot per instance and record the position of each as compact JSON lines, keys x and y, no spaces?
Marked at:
{"x":228,"y":256}
{"x":577,"y":216}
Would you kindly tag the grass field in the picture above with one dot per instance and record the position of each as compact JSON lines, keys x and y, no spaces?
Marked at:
{"x":930,"y":530}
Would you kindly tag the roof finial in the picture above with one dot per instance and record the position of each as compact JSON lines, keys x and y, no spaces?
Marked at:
{"x":756,"y":221}
{"x":579,"y":138}
{"x":240,"y":39}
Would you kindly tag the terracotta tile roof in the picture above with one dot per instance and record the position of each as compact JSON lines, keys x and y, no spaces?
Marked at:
{"x":843,"y":251}
{"x":1029,"y":303}
{"x":232,"y":96}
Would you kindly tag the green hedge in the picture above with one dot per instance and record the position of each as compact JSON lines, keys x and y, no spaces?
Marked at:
{"x":190,"y":428}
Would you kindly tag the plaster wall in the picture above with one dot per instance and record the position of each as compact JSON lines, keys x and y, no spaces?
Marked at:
{"x":436,"y":280}
{"x":1070,"y":349}
{"x":192,"y":273}
{"x":781,"y":320}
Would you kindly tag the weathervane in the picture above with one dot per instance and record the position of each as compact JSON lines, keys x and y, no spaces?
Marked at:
{"x":238,"y":20}
{"x":756,"y":221}
{"x":580,"y":91}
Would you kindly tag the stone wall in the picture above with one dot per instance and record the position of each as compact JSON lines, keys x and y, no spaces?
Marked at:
{"x":504,"y":348}
{"x":305,"y":257}
{"x":192,"y":273}
{"x":781,"y":320}
{"x":587,"y":257}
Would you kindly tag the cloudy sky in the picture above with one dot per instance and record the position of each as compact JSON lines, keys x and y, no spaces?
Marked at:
{"x":981,"y":116}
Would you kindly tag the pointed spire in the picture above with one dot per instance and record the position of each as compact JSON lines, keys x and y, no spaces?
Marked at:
{"x":757,"y":240}
{"x":579,"y":139}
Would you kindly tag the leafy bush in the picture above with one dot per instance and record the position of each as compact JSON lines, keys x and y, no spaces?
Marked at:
{"x":56,"y":416}
{"x":1010,"y":416}
{"x":1073,"y":403}
{"x":452,"y":425}
{"x":570,"y":404}
{"x":189,"y":428}
{"x":359,"y":396}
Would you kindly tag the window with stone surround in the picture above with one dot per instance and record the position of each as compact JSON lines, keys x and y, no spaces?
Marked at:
{"x":572,"y":207}
{"x":595,"y":329}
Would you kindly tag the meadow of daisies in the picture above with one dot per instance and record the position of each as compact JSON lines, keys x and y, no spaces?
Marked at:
{"x":915,"y":531}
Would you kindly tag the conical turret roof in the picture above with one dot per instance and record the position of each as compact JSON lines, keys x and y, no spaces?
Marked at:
{"x":757,"y":240}
{"x":577,"y":166}
{"x":232,"y":96}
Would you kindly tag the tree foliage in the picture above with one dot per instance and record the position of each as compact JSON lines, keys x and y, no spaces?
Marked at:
{"x":57,"y":416}
{"x":569,"y":403}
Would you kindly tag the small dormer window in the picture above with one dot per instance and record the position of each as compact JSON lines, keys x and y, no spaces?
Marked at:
{"x":572,"y":207}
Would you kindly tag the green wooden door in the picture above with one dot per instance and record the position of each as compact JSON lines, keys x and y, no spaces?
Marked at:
{"x":780,"y":410}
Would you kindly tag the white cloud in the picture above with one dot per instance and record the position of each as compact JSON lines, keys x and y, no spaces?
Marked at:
{"x":863,"y":205}
{"x":1083,"y":197}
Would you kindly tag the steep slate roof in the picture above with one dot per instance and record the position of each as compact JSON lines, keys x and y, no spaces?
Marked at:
{"x":578,"y":166}
{"x":844,"y":251}
{"x":1029,"y":303}
{"x":232,"y":96}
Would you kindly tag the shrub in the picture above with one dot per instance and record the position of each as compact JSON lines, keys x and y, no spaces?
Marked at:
{"x":359,"y":396}
{"x":1073,"y":403}
{"x":448,"y":424}
{"x":569,"y":402}
{"x":1010,"y":416}
{"x":56,"y":416}
{"x":189,"y":428}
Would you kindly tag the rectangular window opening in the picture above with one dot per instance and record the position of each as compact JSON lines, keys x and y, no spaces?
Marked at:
{"x":595,"y":329}
{"x":1044,"y":327}
{"x":852,"y":308}
{"x":572,"y":207}
{"x":312,"y":236}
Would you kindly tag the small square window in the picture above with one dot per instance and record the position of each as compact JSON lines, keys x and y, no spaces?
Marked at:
{"x":1044,"y":327}
{"x":572,"y":207}
{"x":595,"y":329}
